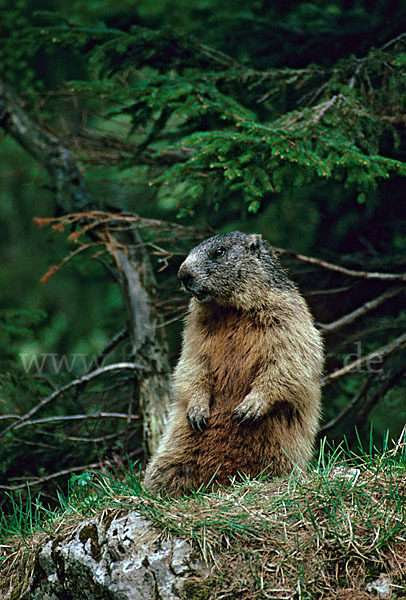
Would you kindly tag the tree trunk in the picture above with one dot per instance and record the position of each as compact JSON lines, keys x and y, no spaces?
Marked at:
{"x":133,"y":268}
{"x":137,"y":283}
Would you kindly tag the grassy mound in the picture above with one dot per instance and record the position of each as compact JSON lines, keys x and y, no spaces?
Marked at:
{"x":338,"y":532}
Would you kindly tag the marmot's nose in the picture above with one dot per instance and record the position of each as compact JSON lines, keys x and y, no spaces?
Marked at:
{"x":185,"y":276}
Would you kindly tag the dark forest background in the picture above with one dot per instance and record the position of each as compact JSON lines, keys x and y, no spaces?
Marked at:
{"x":184,"y":119}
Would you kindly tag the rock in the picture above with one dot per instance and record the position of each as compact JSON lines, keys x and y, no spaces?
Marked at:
{"x":381,"y":587}
{"x":122,"y":560}
{"x":348,"y":473}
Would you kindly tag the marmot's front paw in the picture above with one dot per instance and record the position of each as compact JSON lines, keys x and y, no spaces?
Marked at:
{"x":198,"y":416}
{"x":249,"y":410}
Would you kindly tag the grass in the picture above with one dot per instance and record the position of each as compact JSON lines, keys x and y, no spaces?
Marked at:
{"x":326,"y":534}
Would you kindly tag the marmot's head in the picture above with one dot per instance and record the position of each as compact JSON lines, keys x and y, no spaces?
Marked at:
{"x":233,"y":269}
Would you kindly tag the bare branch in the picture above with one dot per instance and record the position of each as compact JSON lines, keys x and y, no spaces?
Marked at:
{"x":391,"y":42}
{"x":326,"y":292}
{"x":366,"y":407}
{"x":61,"y":390}
{"x":115,"y":340}
{"x":389,"y":380}
{"x":360,"y":394}
{"x":121,"y":335}
{"x":88,"y":440}
{"x":98,"y":415}
{"x":312,"y":97}
{"x":13,"y":488}
{"x":357,"y":71}
{"x":323,"y":107}
{"x":134,"y":262}
{"x":105,"y":149}
{"x":355,"y":314}
{"x":72,"y":438}
{"x":39,"y":480}
{"x":76,"y":438}
{"x":178,"y":316}
{"x":340,"y":269}
{"x":381,"y":353}
{"x":47,"y":149}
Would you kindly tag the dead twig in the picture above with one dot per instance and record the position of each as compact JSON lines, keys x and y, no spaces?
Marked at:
{"x":378,"y":354}
{"x":61,"y":390}
{"x":97,"y":415}
{"x":340,"y":269}
{"x":337,"y":419}
{"x":355,"y":314}
{"x":72,"y":438}
{"x":388,"y":381}
{"x":394,"y":41}
{"x":115,"y":340}
{"x":323,"y":107}
{"x":39,"y":480}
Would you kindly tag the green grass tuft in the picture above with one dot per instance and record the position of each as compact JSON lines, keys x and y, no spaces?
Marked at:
{"x":317,"y":535}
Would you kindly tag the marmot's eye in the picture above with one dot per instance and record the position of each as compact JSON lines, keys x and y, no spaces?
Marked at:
{"x":219,"y":252}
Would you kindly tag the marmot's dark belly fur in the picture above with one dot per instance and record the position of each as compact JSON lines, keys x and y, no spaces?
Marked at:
{"x":247,"y":384}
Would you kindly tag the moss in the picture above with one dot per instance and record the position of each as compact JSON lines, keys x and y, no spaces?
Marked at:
{"x":57,"y":559}
{"x":89,"y":532}
{"x":197,"y":589}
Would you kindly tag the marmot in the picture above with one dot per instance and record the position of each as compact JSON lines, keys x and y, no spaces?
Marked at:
{"x":247,"y":384}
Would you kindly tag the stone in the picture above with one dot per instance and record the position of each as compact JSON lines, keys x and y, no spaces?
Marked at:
{"x":126,"y":559}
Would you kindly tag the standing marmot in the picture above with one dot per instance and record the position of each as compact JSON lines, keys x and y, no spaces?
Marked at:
{"x":247,"y":385}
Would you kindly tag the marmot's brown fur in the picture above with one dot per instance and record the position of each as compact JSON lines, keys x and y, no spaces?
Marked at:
{"x":247,"y":385}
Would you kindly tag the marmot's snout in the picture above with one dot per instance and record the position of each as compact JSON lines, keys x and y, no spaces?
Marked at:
{"x":191,"y":284}
{"x":186,"y":278}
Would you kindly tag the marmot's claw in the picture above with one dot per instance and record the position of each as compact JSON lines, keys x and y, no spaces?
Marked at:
{"x":236,"y":418}
{"x":247,"y":419}
{"x":241,"y":417}
{"x":197,"y":420}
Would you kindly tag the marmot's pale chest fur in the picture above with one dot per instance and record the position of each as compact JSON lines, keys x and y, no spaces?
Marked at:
{"x":247,"y":384}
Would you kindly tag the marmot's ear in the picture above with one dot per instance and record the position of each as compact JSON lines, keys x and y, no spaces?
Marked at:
{"x":254,"y":240}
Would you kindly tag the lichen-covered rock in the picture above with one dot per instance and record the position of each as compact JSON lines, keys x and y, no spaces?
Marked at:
{"x":125,"y":559}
